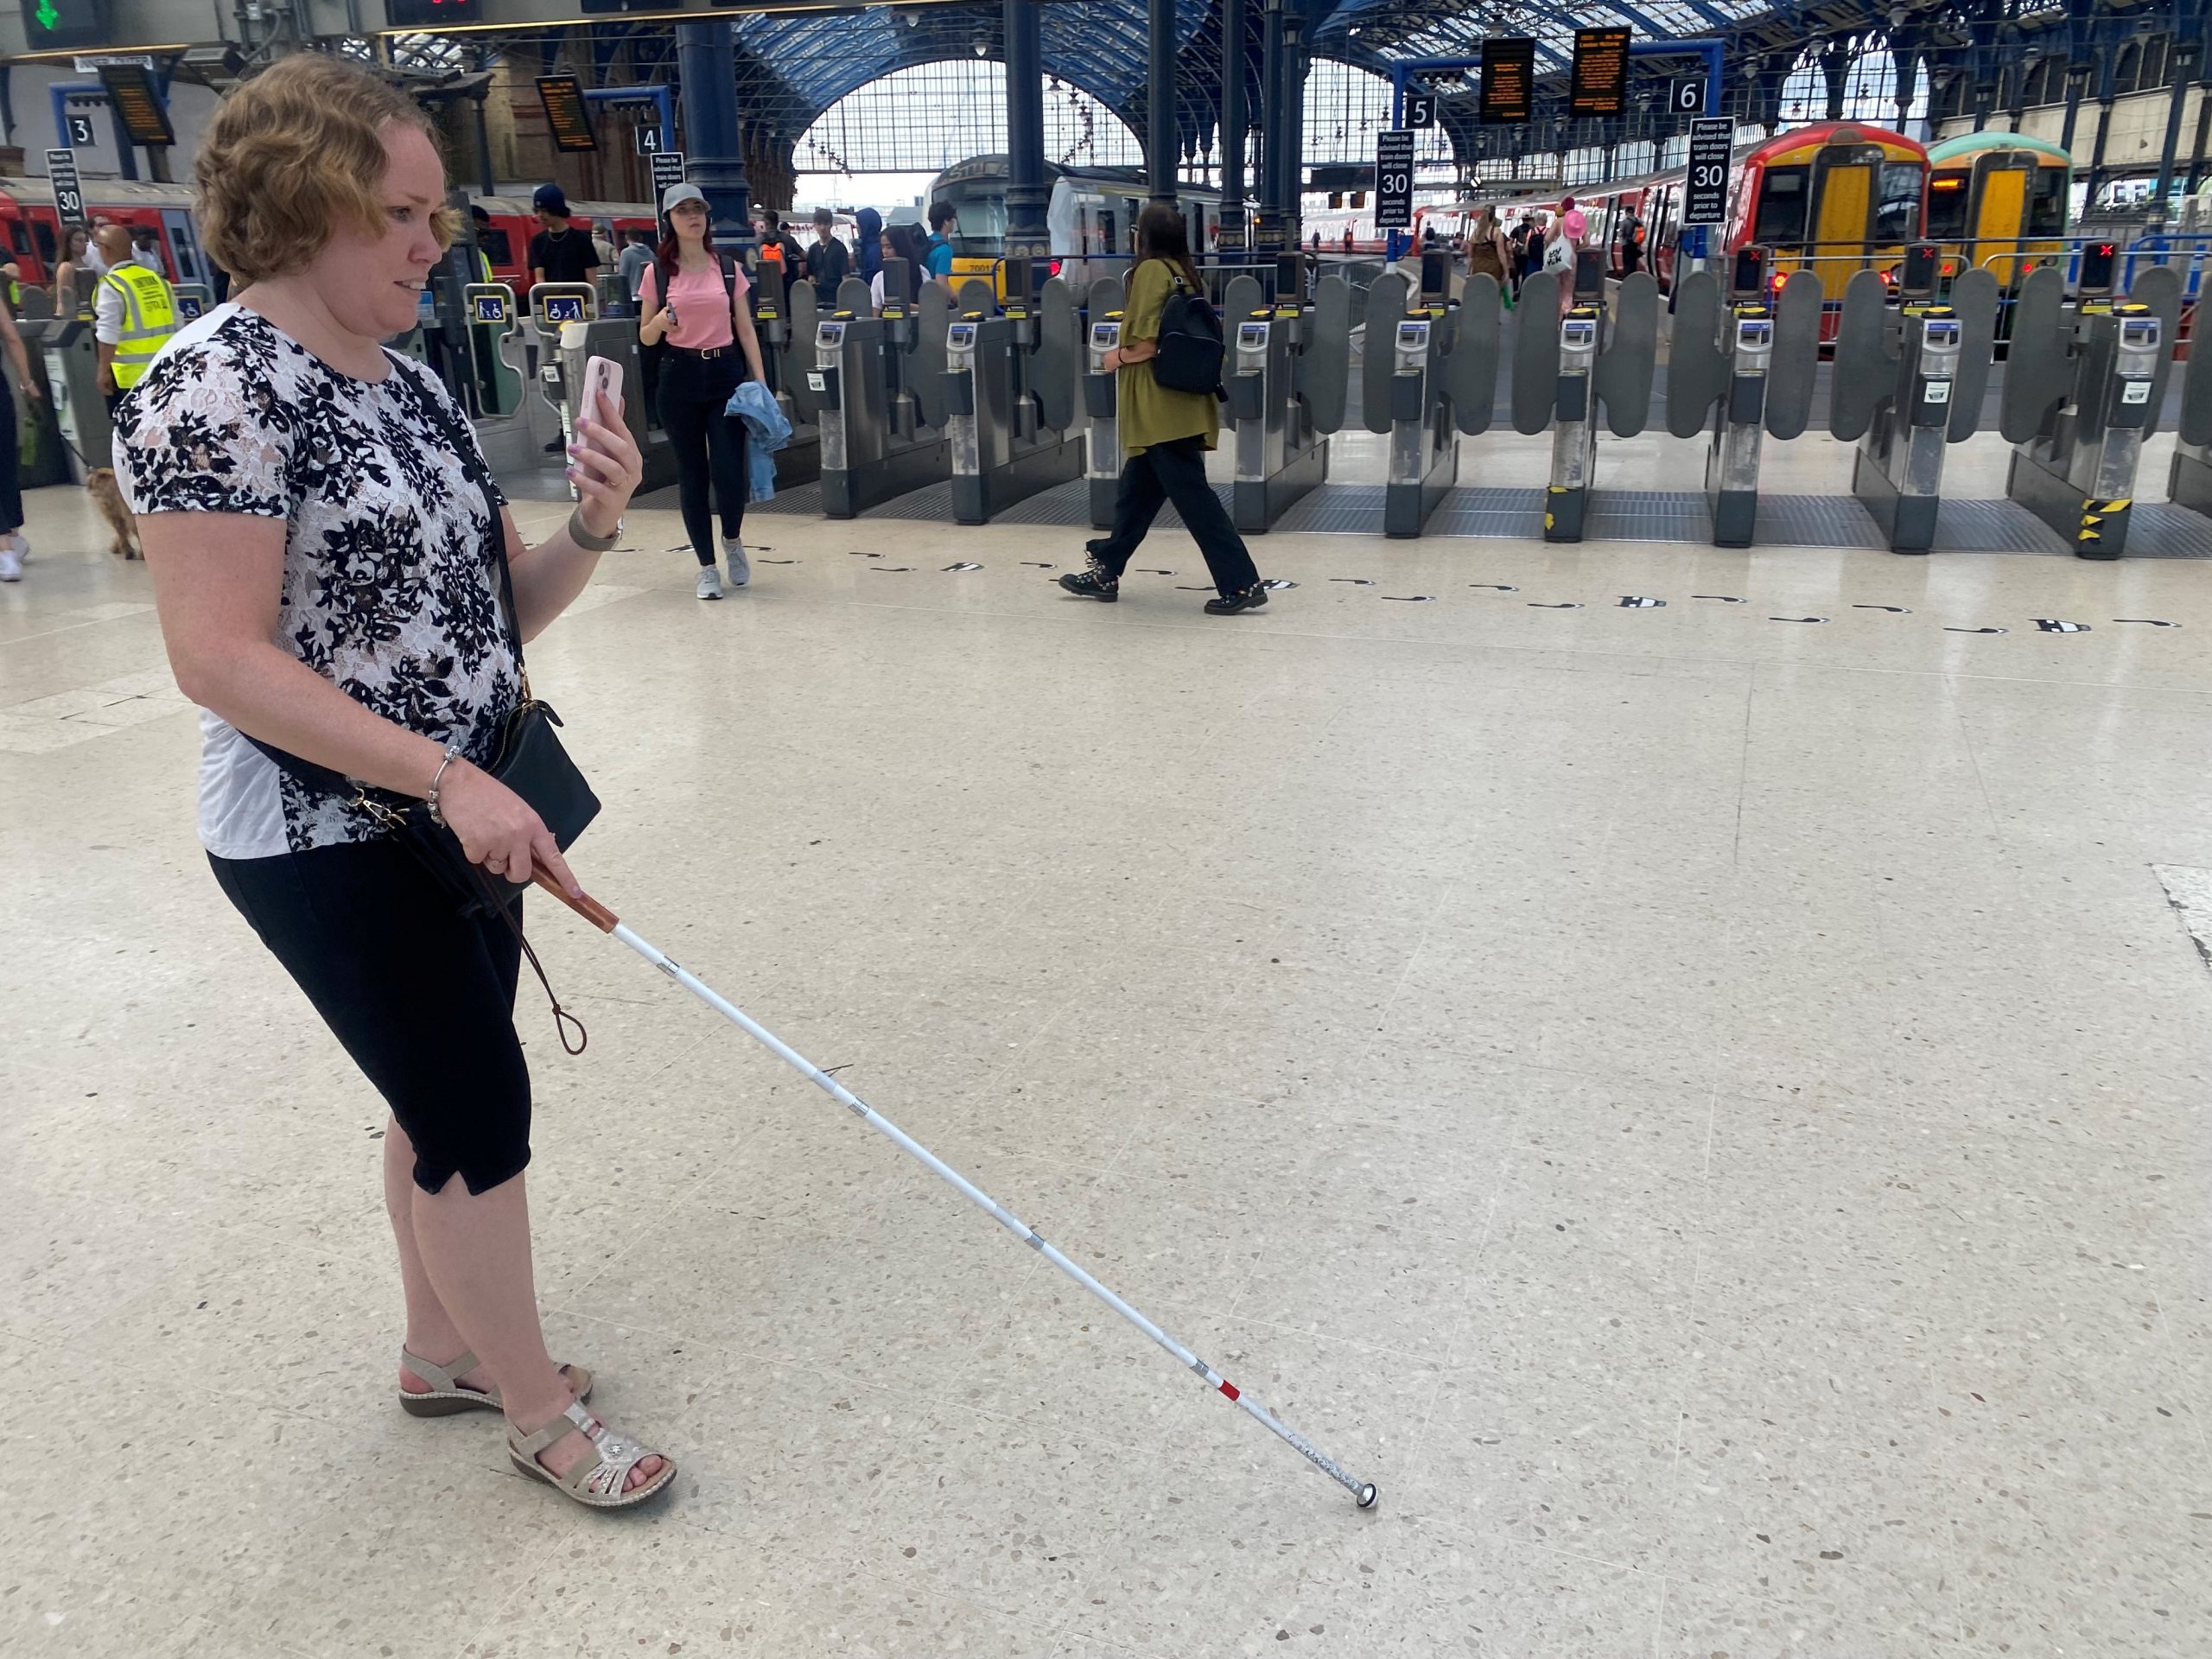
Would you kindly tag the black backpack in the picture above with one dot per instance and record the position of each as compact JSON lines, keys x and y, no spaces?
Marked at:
{"x":1188,"y":353}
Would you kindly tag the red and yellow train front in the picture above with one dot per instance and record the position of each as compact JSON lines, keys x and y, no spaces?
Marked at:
{"x":1835,"y":198}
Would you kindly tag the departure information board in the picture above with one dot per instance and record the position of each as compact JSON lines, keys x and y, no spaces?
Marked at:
{"x":566,"y":112}
{"x":429,"y":14}
{"x":131,"y":94}
{"x":1600,"y":81}
{"x":1508,"y":79}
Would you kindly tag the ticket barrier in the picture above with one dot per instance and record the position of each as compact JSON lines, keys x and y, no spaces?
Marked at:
{"x":495,"y":384}
{"x":65,"y":347}
{"x":2189,"y":482}
{"x":1013,"y":417}
{"x":41,"y":458}
{"x":1909,"y":378}
{"x":570,"y":332}
{"x":2084,"y":385}
{"x":1103,"y":457}
{"x":799,"y":461}
{"x":877,"y":385}
{"x":1288,"y":376}
{"x":194,"y":301}
{"x":1404,"y":393}
{"x":1565,"y":366}
{"x":1744,"y":371}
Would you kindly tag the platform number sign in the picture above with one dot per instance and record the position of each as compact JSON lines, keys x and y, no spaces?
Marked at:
{"x":649,"y":140}
{"x":1705,"y":190}
{"x":68,"y":193}
{"x":1421,"y":110}
{"x":1394,"y":180}
{"x":81,"y":132}
{"x":1686,"y":96}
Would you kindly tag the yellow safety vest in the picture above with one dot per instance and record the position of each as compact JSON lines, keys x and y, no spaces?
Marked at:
{"x":149,"y":319}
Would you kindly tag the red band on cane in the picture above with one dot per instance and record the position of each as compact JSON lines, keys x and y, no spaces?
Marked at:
{"x":1229,"y":1388}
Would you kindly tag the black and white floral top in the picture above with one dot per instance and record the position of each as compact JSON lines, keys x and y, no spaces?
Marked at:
{"x":388,"y":591}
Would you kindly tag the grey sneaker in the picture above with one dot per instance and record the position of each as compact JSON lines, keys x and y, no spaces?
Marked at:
{"x":741,"y":568}
{"x":711,"y":582}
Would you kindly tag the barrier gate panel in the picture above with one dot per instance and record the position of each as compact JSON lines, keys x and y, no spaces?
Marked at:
{"x":799,"y":352}
{"x":857,"y":296}
{"x":1471,"y":372}
{"x":1057,"y":362}
{"x":932,"y":312}
{"x":977,"y":294}
{"x":1864,"y":361}
{"x":2039,"y":369}
{"x":1796,"y":356}
{"x":1386,"y":309}
{"x":1535,"y":352}
{"x":2196,"y":396}
{"x":2159,"y":288}
{"x":1696,"y":371}
{"x":1625,"y":369}
{"x":1974,"y":296}
{"x":1325,"y":369}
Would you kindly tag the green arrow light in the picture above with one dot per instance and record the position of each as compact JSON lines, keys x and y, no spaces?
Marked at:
{"x":47,"y":16}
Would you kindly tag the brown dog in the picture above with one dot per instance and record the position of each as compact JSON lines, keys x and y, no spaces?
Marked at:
{"x":107,"y":496}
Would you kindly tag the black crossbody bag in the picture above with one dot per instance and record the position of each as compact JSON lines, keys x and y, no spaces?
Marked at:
{"x":531,"y":761}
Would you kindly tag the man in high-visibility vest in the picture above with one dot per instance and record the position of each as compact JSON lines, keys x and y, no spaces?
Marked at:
{"x":134,"y":313}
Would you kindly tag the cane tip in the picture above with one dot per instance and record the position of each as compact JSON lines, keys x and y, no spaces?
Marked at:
{"x":1367,"y":1496}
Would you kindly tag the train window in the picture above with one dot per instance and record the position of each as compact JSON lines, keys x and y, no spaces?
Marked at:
{"x":46,"y":246}
{"x":981,"y":220}
{"x":2047,"y":202}
{"x":1781,"y":207}
{"x":1898,"y":219}
{"x":1947,"y":207}
{"x":19,"y":239}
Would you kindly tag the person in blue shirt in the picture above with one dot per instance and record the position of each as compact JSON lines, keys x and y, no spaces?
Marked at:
{"x":942,"y":216}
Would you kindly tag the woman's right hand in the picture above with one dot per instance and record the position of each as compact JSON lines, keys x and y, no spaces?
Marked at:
{"x":498,"y":828}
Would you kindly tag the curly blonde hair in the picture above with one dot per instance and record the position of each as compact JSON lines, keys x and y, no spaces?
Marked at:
{"x":293,"y":156}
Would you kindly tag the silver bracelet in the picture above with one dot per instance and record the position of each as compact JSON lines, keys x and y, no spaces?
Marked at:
{"x":453,"y":753}
{"x":580,"y":533}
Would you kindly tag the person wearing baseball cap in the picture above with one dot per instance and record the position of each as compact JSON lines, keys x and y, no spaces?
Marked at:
{"x":691,"y":304}
{"x":559,"y":253}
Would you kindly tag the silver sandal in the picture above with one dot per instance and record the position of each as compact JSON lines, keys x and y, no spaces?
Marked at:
{"x":445,"y":1396}
{"x":597,"y":1483}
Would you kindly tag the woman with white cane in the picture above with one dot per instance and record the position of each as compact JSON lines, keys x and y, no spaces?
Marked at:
{"x":341,"y":590}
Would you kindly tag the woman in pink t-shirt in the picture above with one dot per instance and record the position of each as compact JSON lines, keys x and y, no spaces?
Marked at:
{"x":703,"y":322}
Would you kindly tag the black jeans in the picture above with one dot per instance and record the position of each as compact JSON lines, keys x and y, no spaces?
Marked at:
{"x":709,"y":445}
{"x":11,"y":494}
{"x":1176,"y":471}
{"x":421,"y":997}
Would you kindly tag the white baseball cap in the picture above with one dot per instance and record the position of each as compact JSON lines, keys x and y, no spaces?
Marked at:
{"x":677,"y":194}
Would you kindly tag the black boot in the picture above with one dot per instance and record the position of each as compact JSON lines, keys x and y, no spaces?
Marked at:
{"x":1229,"y":604}
{"x":1093,"y":583}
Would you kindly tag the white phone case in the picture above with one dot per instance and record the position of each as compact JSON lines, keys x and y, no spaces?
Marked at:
{"x":602,"y":374}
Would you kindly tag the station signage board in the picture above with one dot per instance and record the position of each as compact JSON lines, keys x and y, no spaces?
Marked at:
{"x":566,"y":113}
{"x":1598,"y":86}
{"x":138,"y":103}
{"x":1394,"y":180}
{"x":667,"y":169}
{"x":69,"y":190}
{"x":1509,"y":80}
{"x":429,"y":13}
{"x":1705,"y":185}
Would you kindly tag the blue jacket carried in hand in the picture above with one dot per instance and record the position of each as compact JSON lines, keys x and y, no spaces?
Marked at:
{"x":767,"y":430}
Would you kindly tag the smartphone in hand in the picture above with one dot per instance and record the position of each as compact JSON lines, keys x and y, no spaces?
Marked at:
{"x":602,"y":375}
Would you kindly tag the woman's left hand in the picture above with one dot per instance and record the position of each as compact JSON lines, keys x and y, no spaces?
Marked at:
{"x":604,"y":465}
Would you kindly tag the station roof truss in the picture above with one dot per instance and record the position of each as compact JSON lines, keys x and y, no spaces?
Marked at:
{"x":793,"y":66}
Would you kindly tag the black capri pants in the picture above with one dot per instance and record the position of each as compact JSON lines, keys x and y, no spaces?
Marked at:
{"x":421,"y":997}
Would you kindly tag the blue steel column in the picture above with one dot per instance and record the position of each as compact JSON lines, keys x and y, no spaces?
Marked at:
{"x":1162,"y":143}
{"x":1290,"y":184}
{"x":713,"y":155}
{"x":1233,"y":123}
{"x":1267,"y":219}
{"x":1026,"y":192}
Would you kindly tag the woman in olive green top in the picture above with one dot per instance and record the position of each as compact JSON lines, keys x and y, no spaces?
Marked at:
{"x":1166,"y":435}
